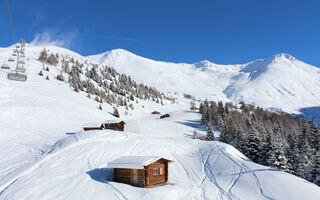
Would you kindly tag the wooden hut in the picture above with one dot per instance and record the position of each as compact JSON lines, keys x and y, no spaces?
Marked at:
{"x":118,"y":126}
{"x":155,"y":113}
{"x":90,"y":128}
{"x":141,"y":171}
{"x":164,"y":116}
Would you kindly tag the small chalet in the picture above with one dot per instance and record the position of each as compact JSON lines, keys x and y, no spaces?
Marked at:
{"x":155,"y":113}
{"x":164,"y":116}
{"x":141,"y":171}
{"x":118,"y":126}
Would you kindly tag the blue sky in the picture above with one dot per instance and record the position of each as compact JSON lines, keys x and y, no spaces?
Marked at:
{"x":222,"y":31}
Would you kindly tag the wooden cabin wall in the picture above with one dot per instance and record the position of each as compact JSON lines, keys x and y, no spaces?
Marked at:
{"x":117,"y":127}
{"x":138,"y":177}
{"x":130,"y":176}
{"x":156,"y":179}
{"x":122,"y":175}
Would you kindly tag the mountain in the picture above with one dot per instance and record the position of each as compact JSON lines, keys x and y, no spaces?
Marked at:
{"x":46,"y":155}
{"x":279,"y":82}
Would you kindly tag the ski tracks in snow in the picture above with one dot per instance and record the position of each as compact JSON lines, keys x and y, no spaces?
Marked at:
{"x":244,"y":169}
{"x":210,"y":175}
{"x":109,"y":186}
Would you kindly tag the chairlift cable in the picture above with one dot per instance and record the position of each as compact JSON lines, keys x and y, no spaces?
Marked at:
{"x":14,"y":37}
{"x":15,"y":76}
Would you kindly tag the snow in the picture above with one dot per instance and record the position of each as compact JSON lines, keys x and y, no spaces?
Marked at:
{"x":133,"y":162}
{"x":279,"y":82}
{"x":46,"y":155}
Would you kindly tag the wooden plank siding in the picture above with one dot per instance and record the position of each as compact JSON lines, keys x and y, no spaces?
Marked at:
{"x":152,"y":179}
{"x":134,"y":177}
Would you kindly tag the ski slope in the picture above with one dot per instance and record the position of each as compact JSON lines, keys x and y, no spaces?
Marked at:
{"x":75,"y":167}
{"x":45,"y":155}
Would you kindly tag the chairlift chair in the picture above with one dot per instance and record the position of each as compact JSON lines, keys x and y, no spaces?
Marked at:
{"x":14,"y":54}
{"x":21,"y":62}
{"x":5,"y":66}
{"x":21,"y":69}
{"x":11,"y":60}
{"x":15,"y":76}
{"x":22,"y":56}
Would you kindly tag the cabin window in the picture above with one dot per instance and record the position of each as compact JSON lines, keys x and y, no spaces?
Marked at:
{"x":155,"y":171}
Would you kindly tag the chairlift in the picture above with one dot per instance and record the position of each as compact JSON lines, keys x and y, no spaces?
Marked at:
{"x":21,"y":69}
{"x":21,"y":62}
{"x":22,"y":42}
{"x":15,"y":76}
{"x":22,"y":56}
{"x":14,"y":54}
{"x":11,"y":60}
{"x":14,"y":50}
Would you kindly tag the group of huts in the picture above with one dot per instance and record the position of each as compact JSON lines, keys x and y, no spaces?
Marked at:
{"x":113,"y":125}
{"x":158,"y":113}
{"x":140,"y":171}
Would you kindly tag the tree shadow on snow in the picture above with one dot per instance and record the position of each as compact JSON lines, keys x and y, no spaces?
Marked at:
{"x":71,"y":133}
{"x":311,"y":113}
{"x":195,"y":124}
{"x":101,"y":175}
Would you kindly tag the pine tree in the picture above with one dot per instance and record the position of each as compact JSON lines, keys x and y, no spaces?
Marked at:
{"x":53,"y":60}
{"x":315,"y":169}
{"x":100,"y":107}
{"x":43,"y":56}
{"x":41,"y":73}
{"x":210,"y":135}
{"x":252,"y":143}
{"x":116,"y":112}
{"x":240,"y":139}
{"x":304,"y":156}
{"x":47,"y":78}
{"x":60,"y":77}
{"x":314,"y":137}
{"x":204,"y":116}
{"x":201,"y":108}
{"x":276,"y":156}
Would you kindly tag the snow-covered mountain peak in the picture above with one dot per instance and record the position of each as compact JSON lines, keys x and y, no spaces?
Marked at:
{"x":203,"y":63}
{"x":118,"y":52}
{"x":283,"y":56}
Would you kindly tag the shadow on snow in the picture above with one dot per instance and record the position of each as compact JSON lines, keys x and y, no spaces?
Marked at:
{"x":101,"y":175}
{"x":311,"y":113}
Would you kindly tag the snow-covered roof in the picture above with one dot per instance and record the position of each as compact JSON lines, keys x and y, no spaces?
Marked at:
{"x":112,"y":121}
{"x":134,"y":162}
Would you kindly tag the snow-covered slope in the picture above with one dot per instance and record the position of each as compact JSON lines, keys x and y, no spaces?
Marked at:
{"x":45,"y":155}
{"x":280,"y":81}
